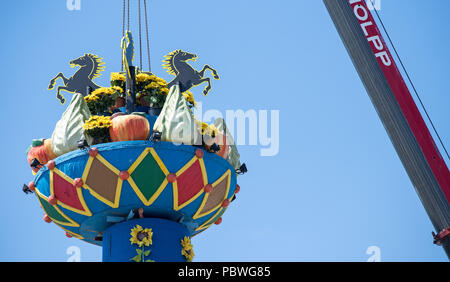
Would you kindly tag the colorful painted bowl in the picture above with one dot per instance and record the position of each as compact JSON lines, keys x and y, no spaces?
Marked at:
{"x":87,"y":191}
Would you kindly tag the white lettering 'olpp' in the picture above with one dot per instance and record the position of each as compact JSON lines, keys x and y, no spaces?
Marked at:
{"x":362,"y":14}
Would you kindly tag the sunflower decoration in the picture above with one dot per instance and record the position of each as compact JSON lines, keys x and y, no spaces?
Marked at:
{"x":187,"y":249}
{"x":101,"y":99}
{"x":151,"y":90}
{"x":141,"y":236}
{"x":97,"y":127}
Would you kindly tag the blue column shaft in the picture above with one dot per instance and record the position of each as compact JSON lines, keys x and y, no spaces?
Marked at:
{"x":166,"y":241}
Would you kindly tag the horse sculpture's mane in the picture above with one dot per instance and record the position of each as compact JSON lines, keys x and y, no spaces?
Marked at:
{"x":169,"y":62}
{"x":98,"y":66}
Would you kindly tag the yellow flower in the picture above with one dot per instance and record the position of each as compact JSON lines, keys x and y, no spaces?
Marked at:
{"x":186,"y":243}
{"x":162,"y":83}
{"x":189,"y":97}
{"x":91,"y":98}
{"x":206,"y":129}
{"x":103,"y":91}
{"x":117,"y":88}
{"x":140,"y":236}
{"x":97,"y":122}
{"x":142,"y":77}
{"x":187,"y":249}
{"x":189,"y":255}
{"x":153,"y":85}
{"x":211,"y":130}
{"x":164,"y":91}
{"x":117,"y":76}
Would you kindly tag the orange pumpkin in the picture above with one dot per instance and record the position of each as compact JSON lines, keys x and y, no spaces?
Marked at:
{"x":42,"y":153}
{"x":129,"y":128}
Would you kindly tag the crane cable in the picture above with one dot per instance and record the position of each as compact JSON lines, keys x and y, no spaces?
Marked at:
{"x":148,"y":44}
{"x":410,"y":81}
{"x":123,"y":31}
{"x":128,"y":11}
{"x":140,"y":35}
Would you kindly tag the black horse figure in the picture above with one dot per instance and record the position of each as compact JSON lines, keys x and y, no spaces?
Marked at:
{"x":177,"y":64}
{"x":91,"y":67}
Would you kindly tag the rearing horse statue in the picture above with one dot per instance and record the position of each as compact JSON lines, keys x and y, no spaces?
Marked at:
{"x":176,"y":63}
{"x":91,"y":67}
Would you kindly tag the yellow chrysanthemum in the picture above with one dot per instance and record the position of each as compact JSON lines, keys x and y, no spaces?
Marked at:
{"x":141,"y":236}
{"x":211,"y":130}
{"x":115,"y":76}
{"x":97,"y":122}
{"x":207,"y":129}
{"x":90,"y":98}
{"x":153,"y":85}
{"x":142,"y":77}
{"x":117,"y":88}
{"x":190,"y":98}
{"x":103,"y":91}
{"x":202,"y":126}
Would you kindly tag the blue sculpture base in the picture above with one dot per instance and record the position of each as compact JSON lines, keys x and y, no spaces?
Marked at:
{"x":165,"y":241}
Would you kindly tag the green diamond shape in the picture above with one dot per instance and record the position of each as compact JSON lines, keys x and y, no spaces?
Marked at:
{"x":148,"y":176}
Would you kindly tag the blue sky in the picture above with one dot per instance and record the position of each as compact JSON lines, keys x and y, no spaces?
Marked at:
{"x":335,"y":188}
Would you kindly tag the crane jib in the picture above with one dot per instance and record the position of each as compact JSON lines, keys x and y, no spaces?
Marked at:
{"x":402,"y":94}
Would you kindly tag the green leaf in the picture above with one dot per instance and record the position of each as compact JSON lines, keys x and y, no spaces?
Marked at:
{"x":147,"y":253}
{"x":137,"y":258}
{"x":139,"y":251}
{"x":149,"y":260}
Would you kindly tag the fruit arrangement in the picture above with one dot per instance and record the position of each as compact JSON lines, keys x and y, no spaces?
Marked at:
{"x":101,"y":117}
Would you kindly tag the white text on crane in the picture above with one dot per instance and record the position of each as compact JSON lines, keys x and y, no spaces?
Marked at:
{"x":362,"y":14}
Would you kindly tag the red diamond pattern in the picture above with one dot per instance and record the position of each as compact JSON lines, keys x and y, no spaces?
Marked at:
{"x":190,"y":183}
